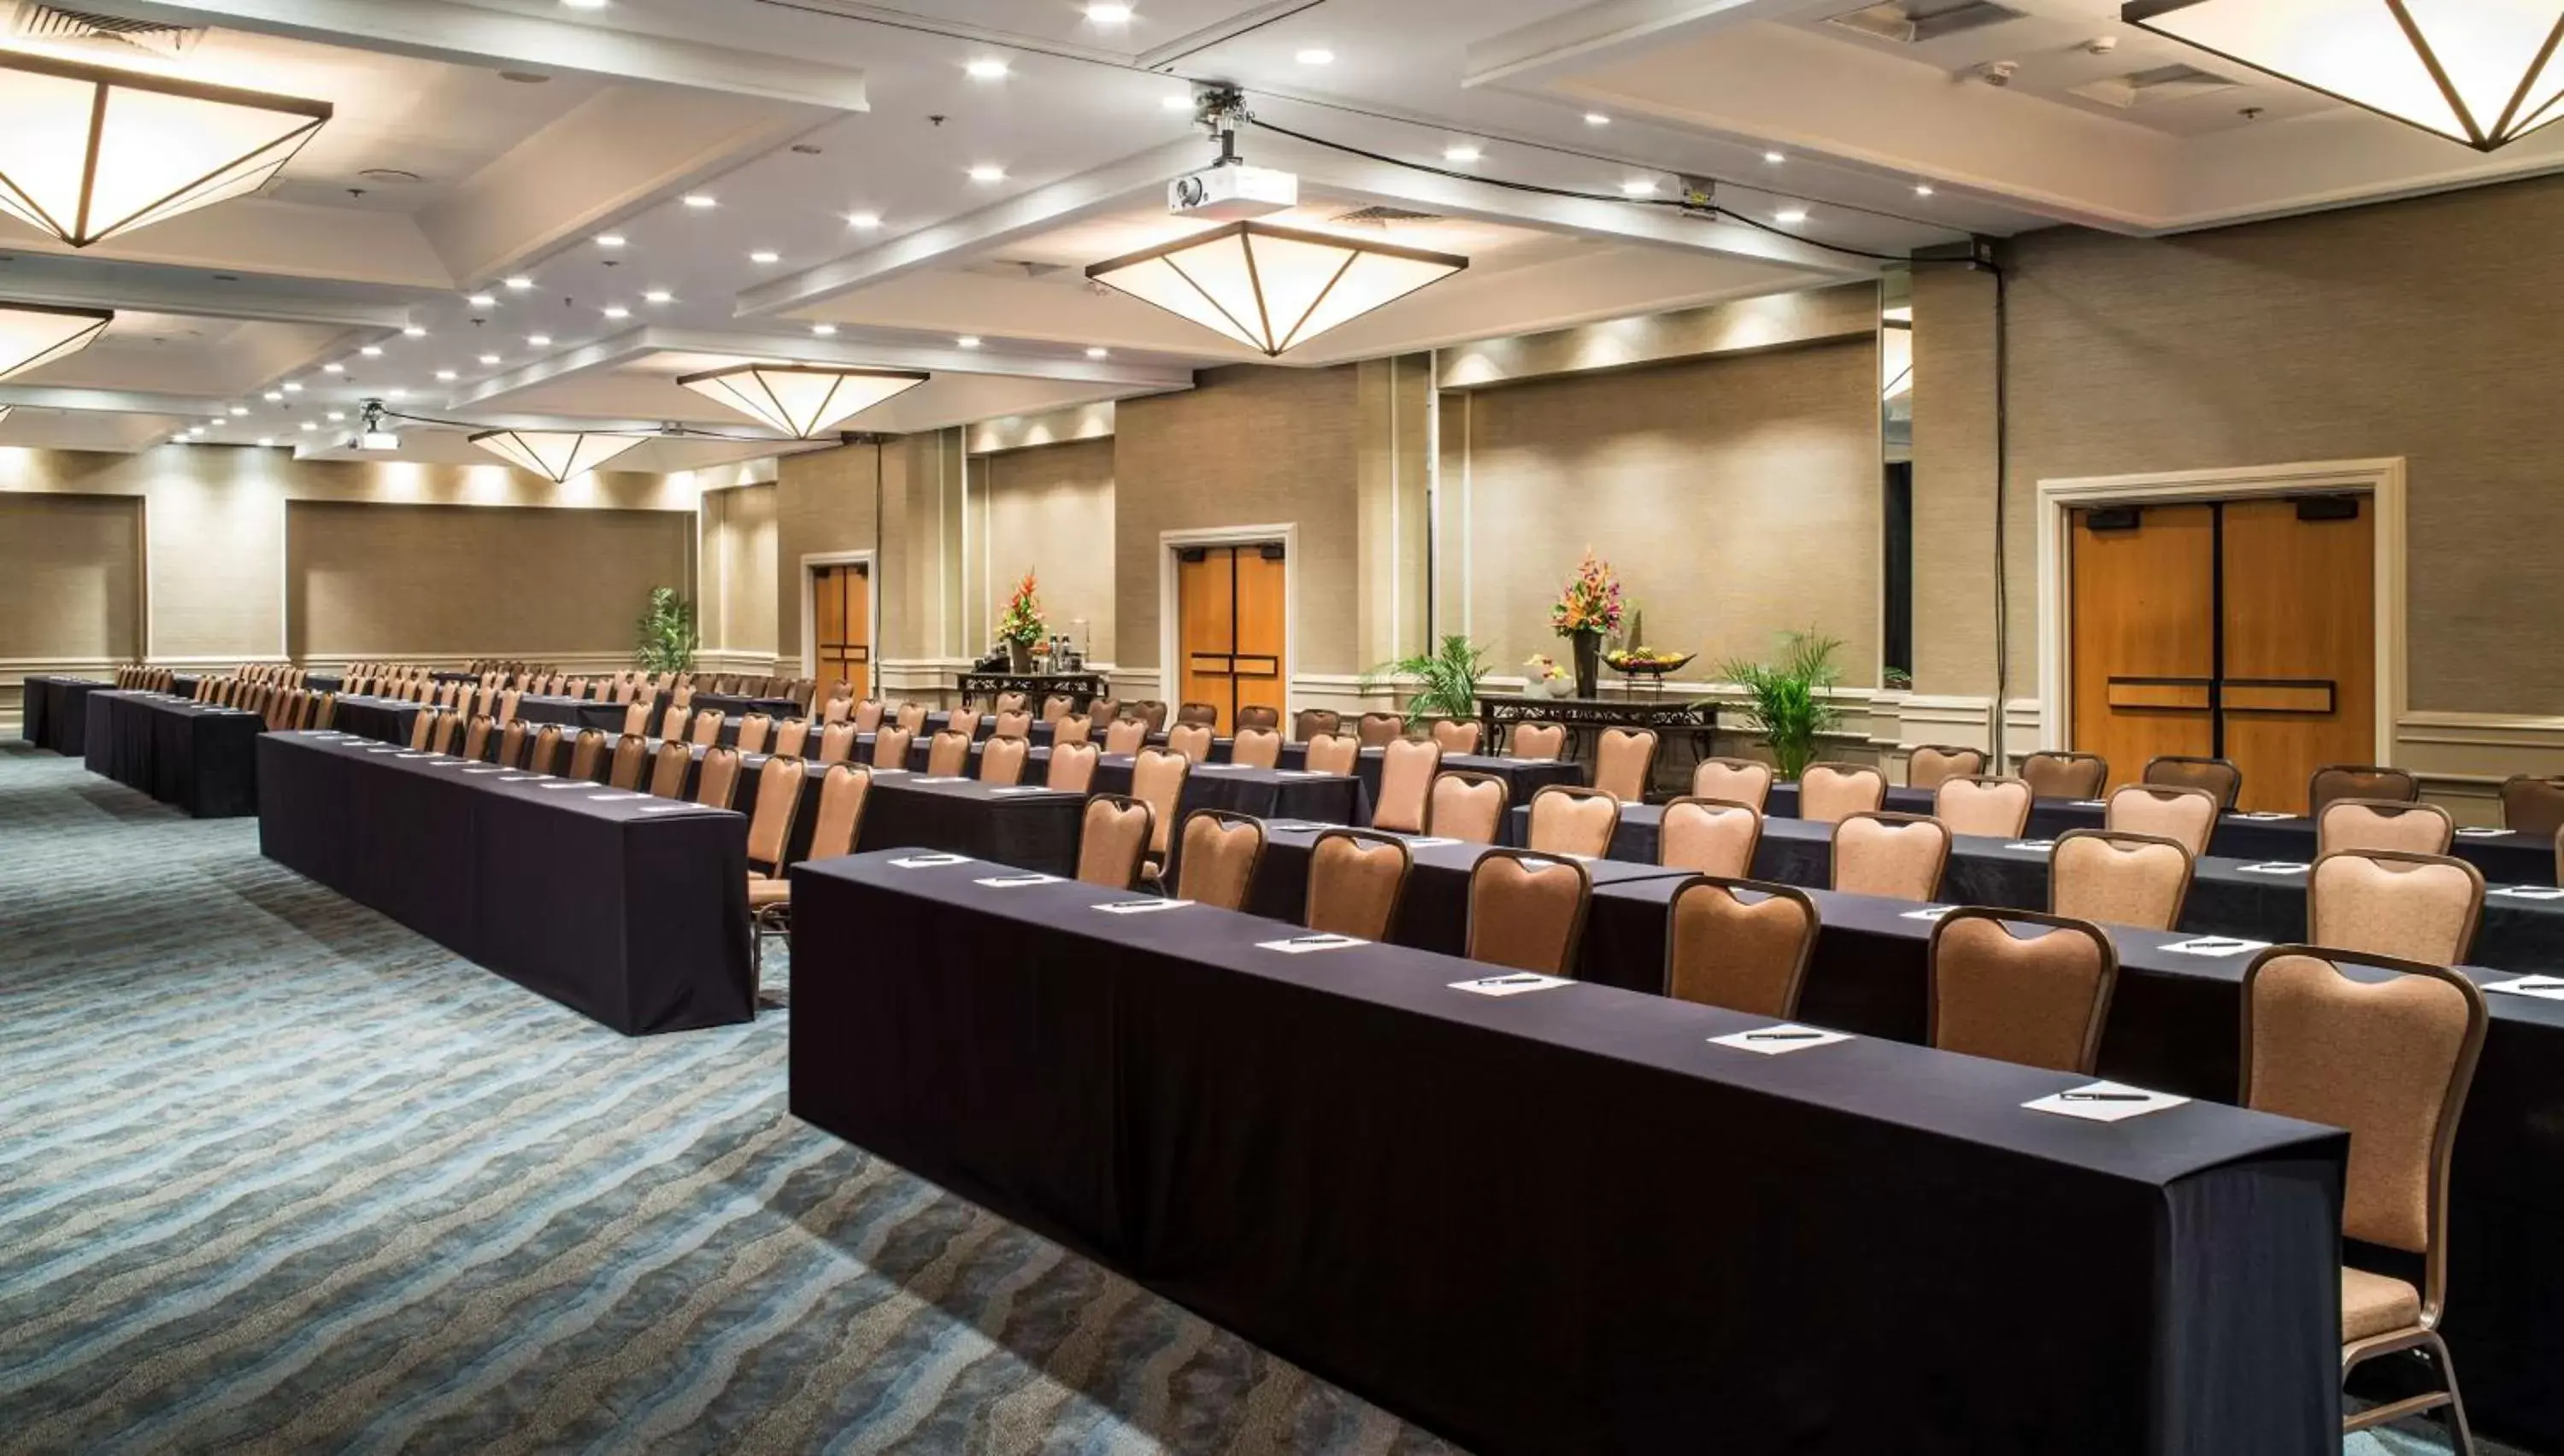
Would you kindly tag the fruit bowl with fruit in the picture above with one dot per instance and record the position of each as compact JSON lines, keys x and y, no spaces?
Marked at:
{"x":1646,"y":661}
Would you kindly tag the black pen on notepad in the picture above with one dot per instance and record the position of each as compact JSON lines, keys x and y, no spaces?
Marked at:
{"x":2102,"y":1097}
{"x":1507,"y":980}
{"x":1782,"y":1035}
{"x":2537,"y":984}
{"x":1311,"y":940}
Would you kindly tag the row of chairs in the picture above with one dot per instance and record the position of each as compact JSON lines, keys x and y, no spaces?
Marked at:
{"x":283,"y":707}
{"x":134,"y":676}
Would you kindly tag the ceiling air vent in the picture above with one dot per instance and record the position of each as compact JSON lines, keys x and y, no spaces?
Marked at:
{"x":1015,"y":268}
{"x":1382,"y":217}
{"x":32,"y":19}
{"x":1912,"y":22}
{"x":2153,"y":87}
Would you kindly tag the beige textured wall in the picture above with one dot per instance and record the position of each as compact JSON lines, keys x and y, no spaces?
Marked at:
{"x":823,"y":503}
{"x":740,"y":591}
{"x":412,"y":581}
{"x":1954,"y":486}
{"x":71,"y":577}
{"x":1250,"y":445}
{"x":1049,"y":509}
{"x":2420,"y":328}
{"x":1736,"y":496}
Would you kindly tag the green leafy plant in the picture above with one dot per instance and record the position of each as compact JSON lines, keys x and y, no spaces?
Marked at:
{"x":1446,"y":680}
{"x":1024,"y":619}
{"x":1787,"y":702}
{"x":667,"y":636}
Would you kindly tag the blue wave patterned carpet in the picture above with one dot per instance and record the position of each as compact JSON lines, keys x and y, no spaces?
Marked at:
{"x":277,"y":1176}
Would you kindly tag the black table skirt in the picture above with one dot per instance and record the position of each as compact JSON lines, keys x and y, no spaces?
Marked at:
{"x":2505,"y":859}
{"x":52,"y":711}
{"x":384,"y":720}
{"x":1434,"y":913}
{"x":1560,"y":1222}
{"x":200,"y":758}
{"x":633,"y":916}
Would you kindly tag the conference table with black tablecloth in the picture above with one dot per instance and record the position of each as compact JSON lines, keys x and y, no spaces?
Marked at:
{"x":52,"y":711}
{"x":1022,"y":825}
{"x":384,"y":720}
{"x":1434,"y":913}
{"x":2175,"y":1024}
{"x":628,"y":909}
{"x":1567,"y":1220}
{"x":199,"y":757}
{"x":2505,"y":858}
{"x":2264,"y":900}
{"x":1262,"y":793}
{"x":185,"y":684}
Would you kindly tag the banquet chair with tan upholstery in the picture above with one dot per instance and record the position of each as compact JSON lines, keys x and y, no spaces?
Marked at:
{"x":2219,"y":776}
{"x":2394,"y":903}
{"x":838,"y":709}
{"x":1311,"y":722}
{"x":1828,"y":792}
{"x":769,"y":839}
{"x":1151,"y":712}
{"x":1158,"y":780}
{"x":1015,"y":723}
{"x":1932,"y":765}
{"x":1001,"y":761}
{"x":912,"y":716}
{"x":2392,"y":1062}
{"x":509,"y":702}
{"x":890,"y":749}
{"x":475,"y":739}
{"x":512,"y":745}
{"x":1077,"y":728}
{"x":672,"y":724}
{"x":2359,"y":781}
{"x":326,"y":712}
{"x":2531,"y":804}
{"x":1569,"y":820}
{"x":870,"y":715}
{"x":2176,"y":812}
{"x":1072,"y":767}
{"x":1259,"y":716}
{"x":1899,"y":856}
{"x":636,"y":721}
{"x":627,"y":764}
{"x":1126,"y":736}
{"x":1333,"y":753}
{"x":1356,"y":881}
{"x":1709,"y":837}
{"x":1011,"y":701}
{"x":1470,"y":807}
{"x":2038,"y":999}
{"x":2115,"y":878}
{"x":1256,"y":747}
{"x":1104,"y":711}
{"x":1743,"y":781}
{"x":2054,"y":775}
{"x":1197,"y":713}
{"x":1987,"y":807}
{"x":586,"y":753}
{"x":947,"y":754}
{"x":1537,"y":741}
{"x":1221,"y":851}
{"x":1625,"y":763}
{"x":1458,"y":735}
{"x":1193,"y":740}
{"x":1742,"y":944}
{"x":837,"y":743}
{"x":791,"y":735}
{"x":1407,"y":769}
{"x":1378,"y":729}
{"x":1113,"y":842}
{"x":1527,"y":913}
{"x":752,"y":729}
{"x":717,"y":783}
{"x":669,"y":768}
{"x":965,"y":720}
{"x":2365,"y":824}
{"x":842,"y":794}
{"x":708,"y":727}
{"x":422,"y":731}
{"x":1058,"y":705}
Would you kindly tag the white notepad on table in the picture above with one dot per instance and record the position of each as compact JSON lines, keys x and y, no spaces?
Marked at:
{"x":2543,"y":988}
{"x":2216,"y":946}
{"x":2274,"y":867}
{"x":1140,"y":906}
{"x":930,"y":861}
{"x":1774,"y":1041}
{"x":2104,"y":1102}
{"x":1303,"y":945}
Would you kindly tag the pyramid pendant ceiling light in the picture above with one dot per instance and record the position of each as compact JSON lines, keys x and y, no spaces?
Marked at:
{"x":555,"y":455}
{"x":2483,"y":73}
{"x":1272,"y":289}
{"x":88,"y":151}
{"x":34,"y":334}
{"x":804,"y":401}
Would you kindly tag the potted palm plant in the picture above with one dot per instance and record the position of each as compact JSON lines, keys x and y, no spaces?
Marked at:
{"x":1022,"y":625}
{"x":666,"y":636}
{"x":1446,"y":680}
{"x":1786,"y":700}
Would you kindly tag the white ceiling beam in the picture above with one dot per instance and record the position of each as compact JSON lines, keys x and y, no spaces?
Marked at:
{"x":1037,"y":211}
{"x":1583,"y":36}
{"x":112,"y":401}
{"x":437,"y":31}
{"x":74,"y":282}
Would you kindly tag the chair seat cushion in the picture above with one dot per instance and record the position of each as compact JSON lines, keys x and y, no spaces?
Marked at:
{"x":2372,"y":1303}
{"x":763,"y":892}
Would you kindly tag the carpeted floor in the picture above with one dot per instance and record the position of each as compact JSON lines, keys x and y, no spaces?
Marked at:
{"x":277,"y":1176}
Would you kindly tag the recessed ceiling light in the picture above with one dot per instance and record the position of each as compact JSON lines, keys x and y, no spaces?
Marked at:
{"x":239,"y":410}
{"x":618,"y":311}
{"x":1316,"y":56}
{"x":333,"y":368}
{"x":267,"y":439}
{"x":1922,"y":189}
{"x":609,"y":239}
{"x":293,"y":388}
{"x":275,"y":396}
{"x":414,"y":331}
{"x":1597,"y":118}
{"x":445,"y":376}
{"x":520,"y":284}
{"x":824,"y":330}
{"x":371,"y":351}
{"x":867,"y":220}
{"x":764,"y":254}
{"x":395,"y":394}
{"x":1791,"y":215}
{"x":336,"y":415}
{"x":969,"y":341}
{"x":986,"y":68}
{"x":987,"y":172}
{"x":482,"y":301}
{"x":1099,"y":352}
{"x":658,"y":296}
{"x":1181,"y":103}
{"x":701,"y":199}
{"x":584,"y":4}
{"x":1638,"y":187}
{"x":490,"y":359}
{"x":1774,"y":157}
{"x":539,"y":341}
{"x":1460,"y":153}
{"x":310,"y":425}
{"x":1106,"y":12}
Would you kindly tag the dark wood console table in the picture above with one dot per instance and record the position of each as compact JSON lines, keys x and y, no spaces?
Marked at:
{"x":1083,"y":687}
{"x":1672,"y":719}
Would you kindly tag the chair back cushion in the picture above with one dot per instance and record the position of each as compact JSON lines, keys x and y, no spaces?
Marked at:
{"x":890,"y":747}
{"x":1072,"y":767}
{"x":2021,"y":989}
{"x":717,"y":781}
{"x":1378,"y":729}
{"x":791,"y":735}
{"x":1709,"y":838}
{"x":1739,"y":943}
{"x":1732,"y":781}
{"x":1527,"y":913}
{"x":2184,"y":814}
{"x":1002,"y":761}
{"x":1310,"y":723}
{"x":668,"y":771}
{"x":1994,"y":808}
{"x":1191,"y":740}
{"x":1623,"y":761}
{"x":2216,"y":776}
{"x":1899,"y":856}
{"x":2365,"y":824}
{"x":1256,"y":747}
{"x":752,"y":729}
{"x":947,"y":753}
{"x":1077,"y":728}
{"x":2410,"y":907}
{"x":2359,"y":781}
{"x":2053,"y":775}
{"x":1112,"y":841}
{"x":1574,"y":821}
{"x":1158,"y":780}
{"x":1126,"y":736}
{"x":1219,"y":859}
{"x":778,"y":803}
{"x":1830,"y":792}
{"x":1537,"y":740}
{"x":1406,"y":771}
{"x":1334,"y":754}
{"x":2119,"y":879}
{"x":2533,"y":805}
{"x":1470,"y":807}
{"x":1932,"y":765}
{"x":1457,"y":736}
{"x":841,"y":811}
{"x":1356,"y":880}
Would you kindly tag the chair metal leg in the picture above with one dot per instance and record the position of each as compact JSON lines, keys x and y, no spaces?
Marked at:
{"x":2460,"y":1433}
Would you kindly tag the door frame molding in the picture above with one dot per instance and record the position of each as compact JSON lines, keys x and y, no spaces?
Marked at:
{"x":1170,"y":599}
{"x":2381,"y":480}
{"x":810,"y":609}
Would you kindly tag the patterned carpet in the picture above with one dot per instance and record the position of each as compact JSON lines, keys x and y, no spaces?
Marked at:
{"x":277,"y":1176}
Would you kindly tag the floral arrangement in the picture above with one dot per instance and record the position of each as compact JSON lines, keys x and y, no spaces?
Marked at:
{"x":1544,"y":667}
{"x":1590,"y":602}
{"x":1024,"y":619}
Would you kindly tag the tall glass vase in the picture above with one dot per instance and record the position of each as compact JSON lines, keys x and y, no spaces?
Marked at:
{"x":1589,"y":661}
{"x":1019,"y":656}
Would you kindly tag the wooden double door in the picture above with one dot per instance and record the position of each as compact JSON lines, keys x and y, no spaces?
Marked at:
{"x":2240,"y":629}
{"x":1230,"y":614}
{"x":841,"y":625}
